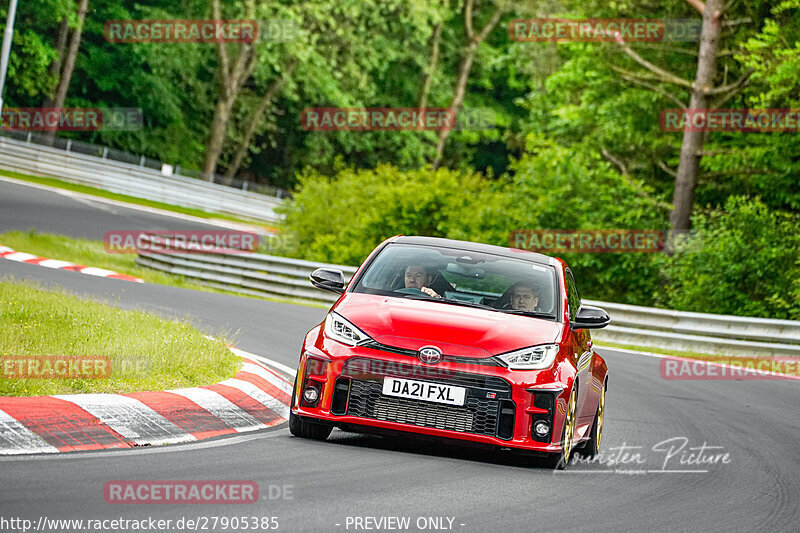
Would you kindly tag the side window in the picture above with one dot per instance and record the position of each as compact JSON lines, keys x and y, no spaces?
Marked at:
{"x":573,"y":298}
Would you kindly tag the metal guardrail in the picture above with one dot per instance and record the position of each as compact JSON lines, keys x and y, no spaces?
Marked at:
{"x":246,"y":273}
{"x":133,"y":180}
{"x":114,"y":154}
{"x":266,"y":275}
{"x":694,"y":324}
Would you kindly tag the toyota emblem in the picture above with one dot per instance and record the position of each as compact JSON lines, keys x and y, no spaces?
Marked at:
{"x":430,"y":355}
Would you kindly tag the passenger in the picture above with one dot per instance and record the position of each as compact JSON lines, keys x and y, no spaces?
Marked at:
{"x":419,"y":277}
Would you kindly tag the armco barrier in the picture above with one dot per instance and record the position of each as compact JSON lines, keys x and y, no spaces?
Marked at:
{"x":267,"y":275}
{"x":132,"y":180}
{"x":255,"y":274}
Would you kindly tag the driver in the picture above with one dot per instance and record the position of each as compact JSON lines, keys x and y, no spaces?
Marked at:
{"x":524,"y":296}
{"x":419,"y":277}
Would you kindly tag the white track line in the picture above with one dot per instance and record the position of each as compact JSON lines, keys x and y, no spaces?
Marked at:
{"x":227,"y":440}
{"x":778,"y":375}
{"x":269,"y":362}
{"x":130,"y":418}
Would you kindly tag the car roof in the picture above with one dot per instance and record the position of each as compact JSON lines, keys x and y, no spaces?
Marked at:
{"x":512,"y":253}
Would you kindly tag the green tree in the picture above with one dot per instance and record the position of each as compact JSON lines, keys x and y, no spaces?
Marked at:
{"x":341,"y":220}
{"x":748,"y":264}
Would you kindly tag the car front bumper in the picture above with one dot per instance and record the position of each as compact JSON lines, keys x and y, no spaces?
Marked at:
{"x":500,"y":406}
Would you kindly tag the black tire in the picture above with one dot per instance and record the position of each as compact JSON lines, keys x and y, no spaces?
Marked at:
{"x":591,"y":447}
{"x":306,"y":428}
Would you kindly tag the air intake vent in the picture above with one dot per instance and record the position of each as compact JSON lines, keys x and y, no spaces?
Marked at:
{"x":340,"y":393}
{"x":505,"y":422}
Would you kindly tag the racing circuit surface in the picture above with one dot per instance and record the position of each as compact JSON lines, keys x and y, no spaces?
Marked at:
{"x":755,"y":422}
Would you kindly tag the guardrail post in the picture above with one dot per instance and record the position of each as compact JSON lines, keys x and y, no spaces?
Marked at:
{"x":105,"y":152}
{"x":69,"y":145}
{"x":141,"y":162}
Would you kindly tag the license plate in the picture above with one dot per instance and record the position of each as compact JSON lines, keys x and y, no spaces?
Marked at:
{"x":423,"y":390}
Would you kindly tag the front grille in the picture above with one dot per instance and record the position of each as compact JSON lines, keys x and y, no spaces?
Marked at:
{"x":479,"y":415}
{"x":476,"y":416}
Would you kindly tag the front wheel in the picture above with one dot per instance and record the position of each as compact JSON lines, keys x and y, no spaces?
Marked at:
{"x":592,"y":446}
{"x":306,"y":428}
{"x":558,"y":461}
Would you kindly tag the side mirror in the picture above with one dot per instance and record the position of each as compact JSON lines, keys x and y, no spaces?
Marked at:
{"x":328,"y":279}
{"x":589,"y":317}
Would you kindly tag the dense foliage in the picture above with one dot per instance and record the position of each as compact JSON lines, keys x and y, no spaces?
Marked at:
{"x":748,"y":263}
{"x":577,"y":142}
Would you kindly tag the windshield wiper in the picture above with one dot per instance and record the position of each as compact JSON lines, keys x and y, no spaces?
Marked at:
{"x":523,"y":312}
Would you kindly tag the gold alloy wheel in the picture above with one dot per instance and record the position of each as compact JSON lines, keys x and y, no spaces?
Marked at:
{"x":601,"y":409}
{"x":569,"y":428}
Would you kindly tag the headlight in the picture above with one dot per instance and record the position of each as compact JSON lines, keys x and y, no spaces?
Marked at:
{"x":533,"y":358}
{"x":339,"y":329}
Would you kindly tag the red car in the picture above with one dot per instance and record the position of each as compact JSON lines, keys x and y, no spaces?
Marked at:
{"x":455,"y":340}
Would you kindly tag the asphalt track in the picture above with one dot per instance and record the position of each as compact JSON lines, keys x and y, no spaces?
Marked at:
{"x":64,"y":212}
{"x":756,"y":422}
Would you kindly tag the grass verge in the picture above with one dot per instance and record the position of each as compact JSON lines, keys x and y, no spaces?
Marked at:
{"x":86,"y":189}
{"x":146,"y":352}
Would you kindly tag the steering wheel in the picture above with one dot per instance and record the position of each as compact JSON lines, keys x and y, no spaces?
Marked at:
{"x":412,"y":290}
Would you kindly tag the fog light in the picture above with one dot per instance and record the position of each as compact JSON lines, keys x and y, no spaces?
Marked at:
{"x":311,"y":394}
{"x":541,"y":428}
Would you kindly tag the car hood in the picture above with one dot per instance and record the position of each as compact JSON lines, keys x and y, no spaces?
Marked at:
{"x":456,"y":330}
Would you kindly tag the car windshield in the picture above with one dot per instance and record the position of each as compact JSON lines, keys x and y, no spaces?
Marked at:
{"x":461,"y":277}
